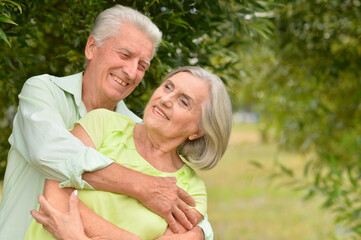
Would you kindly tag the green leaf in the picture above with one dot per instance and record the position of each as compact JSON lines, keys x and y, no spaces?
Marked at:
{"x":4,"y":37}
{"x":5,"y":19}
{"x":14,"y":4}
{"x":8,"y":61}
{"x":286,"y":170}
{"x":256,"y":163}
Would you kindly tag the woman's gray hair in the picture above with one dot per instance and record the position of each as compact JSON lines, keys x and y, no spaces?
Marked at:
{"x":216,"y":123}
{"x":110,"y":20}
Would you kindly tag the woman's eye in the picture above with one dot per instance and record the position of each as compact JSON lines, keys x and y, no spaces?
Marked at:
{"x":167,"y":86}
{"x":184,"y":102}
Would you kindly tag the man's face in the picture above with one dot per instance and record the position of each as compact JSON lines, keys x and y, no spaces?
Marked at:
{"x":118,"y":65}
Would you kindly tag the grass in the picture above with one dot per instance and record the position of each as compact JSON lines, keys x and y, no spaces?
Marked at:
{"x":245,"y":204}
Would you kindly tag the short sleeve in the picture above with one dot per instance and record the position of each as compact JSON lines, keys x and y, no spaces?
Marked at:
{"x":199,"y":194}
{"x":99,"y":123}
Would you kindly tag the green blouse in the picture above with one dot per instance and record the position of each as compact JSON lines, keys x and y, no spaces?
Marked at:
{"x":112,"y":135}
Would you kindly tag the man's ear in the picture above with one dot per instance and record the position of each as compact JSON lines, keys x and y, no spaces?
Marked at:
{"x":90,"y":48}
{"x":196,"y":135}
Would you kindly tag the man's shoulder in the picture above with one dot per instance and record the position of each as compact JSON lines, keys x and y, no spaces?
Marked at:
{"x":70,"y":83}
{"x":51,"y":78}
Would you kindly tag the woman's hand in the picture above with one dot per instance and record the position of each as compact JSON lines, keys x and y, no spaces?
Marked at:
{"x":63,"y":226}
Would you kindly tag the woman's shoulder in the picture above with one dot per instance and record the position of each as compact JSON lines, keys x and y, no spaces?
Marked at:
{"x":190,"y":176}
{"x":106,"y":120}
{"x":110,"y":115}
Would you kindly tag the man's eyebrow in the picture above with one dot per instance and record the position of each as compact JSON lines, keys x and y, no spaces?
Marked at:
{"x":145,"y":61}
{"x":132,"y":52}
{"x":125,"y":48}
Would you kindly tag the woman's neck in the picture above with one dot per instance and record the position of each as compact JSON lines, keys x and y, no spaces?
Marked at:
{"x":161,"y":153}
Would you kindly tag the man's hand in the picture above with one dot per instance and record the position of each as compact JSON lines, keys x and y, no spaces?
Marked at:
{"x":165,"y":198}
{"x":159,"y":194}
{"x":195,"y":234}
{"x":63,"y":226}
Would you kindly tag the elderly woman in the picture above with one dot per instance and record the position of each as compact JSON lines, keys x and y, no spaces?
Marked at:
{"x":187,"y":122}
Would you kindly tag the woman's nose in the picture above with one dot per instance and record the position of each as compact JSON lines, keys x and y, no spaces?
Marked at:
{"x":167,"y":101}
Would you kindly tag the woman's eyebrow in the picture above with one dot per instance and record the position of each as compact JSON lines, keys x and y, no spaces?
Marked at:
{"x":183,"y":94}
{"x":169,"y":82}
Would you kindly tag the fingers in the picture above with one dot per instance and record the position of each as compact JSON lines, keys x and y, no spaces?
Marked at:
{"x":182,"y":219}
{"x":45,"y":206}
{"x":38,"y":217}
{"x":186,"y":197}
{"x":73,"y":203}
{"x":172,"y":223}
{"x":188,"y":214}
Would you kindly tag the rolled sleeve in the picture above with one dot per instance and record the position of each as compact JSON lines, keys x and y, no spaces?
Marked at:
{"x":207,"y":228}
{"x":87,"y":161}
{"x":41,"y":135}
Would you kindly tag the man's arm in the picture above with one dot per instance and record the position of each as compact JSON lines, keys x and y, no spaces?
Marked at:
{"x":41,"y":136}
{"x":161,"y":195}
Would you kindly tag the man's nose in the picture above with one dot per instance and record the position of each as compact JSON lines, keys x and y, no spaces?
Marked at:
{"x":130,"y":69}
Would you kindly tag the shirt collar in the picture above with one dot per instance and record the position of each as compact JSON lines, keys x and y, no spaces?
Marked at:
{"x":71,"y":84}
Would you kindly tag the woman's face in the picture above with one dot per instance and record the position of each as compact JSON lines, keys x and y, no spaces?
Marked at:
{"x":175,"y":109}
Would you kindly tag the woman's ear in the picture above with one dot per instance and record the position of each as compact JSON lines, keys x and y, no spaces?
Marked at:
{"x":196,"y":135}
{"x":90,"y":48}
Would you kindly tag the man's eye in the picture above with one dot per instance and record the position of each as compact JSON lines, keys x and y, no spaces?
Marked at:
{"x":142,"y":68}
{"x":124,"y":55}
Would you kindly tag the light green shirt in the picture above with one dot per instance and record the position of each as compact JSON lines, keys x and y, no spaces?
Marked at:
{"x":42,"y":147}
{"x":112,"y":135}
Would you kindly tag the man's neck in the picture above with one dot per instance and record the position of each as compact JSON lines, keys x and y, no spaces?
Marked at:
{"x":91,"y":96}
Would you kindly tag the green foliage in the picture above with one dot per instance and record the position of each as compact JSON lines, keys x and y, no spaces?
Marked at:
{"x":51,"y":35}
{"x":6,"y":7}
{"x":309,"y":91}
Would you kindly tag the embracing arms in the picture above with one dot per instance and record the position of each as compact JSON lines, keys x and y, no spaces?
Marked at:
{"x":41,"y":136}
{"x":94,"y":226}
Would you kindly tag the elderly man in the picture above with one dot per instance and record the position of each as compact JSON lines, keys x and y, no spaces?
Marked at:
{"x":118,"y":53}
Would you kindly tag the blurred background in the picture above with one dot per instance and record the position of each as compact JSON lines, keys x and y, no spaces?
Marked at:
{"x":292,"y":68}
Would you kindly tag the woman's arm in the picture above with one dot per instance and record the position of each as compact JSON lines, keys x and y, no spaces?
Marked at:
{"x":94,"y":225}
{"x":66,"y":223}
{"x":58,"y":199}
{"x":70,"y":221}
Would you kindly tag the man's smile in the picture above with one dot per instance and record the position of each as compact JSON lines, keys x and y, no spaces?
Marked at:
{"x":119,"y":81}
